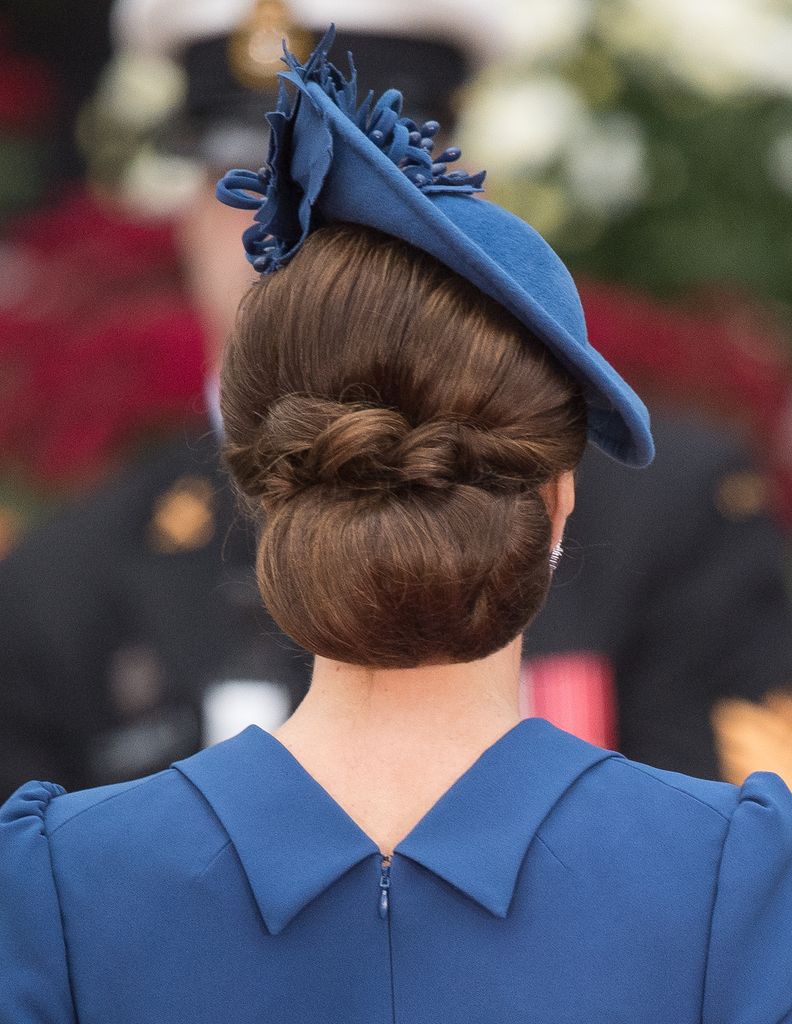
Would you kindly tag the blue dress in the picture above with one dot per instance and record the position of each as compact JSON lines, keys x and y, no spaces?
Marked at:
{"x":553,"y":883}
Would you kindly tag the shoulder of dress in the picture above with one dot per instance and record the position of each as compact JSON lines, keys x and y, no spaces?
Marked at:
{"x":612,"y":776}
{"x":721,"y":798}
{"x":160,"y":820}
{"x":627,"y":822}
{"x":105,"y":802}
{"x":30,"y":801}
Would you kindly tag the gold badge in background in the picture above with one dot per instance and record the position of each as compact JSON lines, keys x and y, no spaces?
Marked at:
{"x":184,"y":517}
{"x":741,"y":495}
{"x":256,"y":48}
{"x":10,"y":529}
{"x":753,"y":736}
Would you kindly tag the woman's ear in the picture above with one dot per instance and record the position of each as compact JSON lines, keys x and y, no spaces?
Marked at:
{"x":559,"y":497}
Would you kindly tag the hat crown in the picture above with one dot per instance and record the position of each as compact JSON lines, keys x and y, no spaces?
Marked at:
{"x":522,"y":254}
{"x":334,"y":159}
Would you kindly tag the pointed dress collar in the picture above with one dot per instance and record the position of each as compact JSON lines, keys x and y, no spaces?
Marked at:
{"x":294,"y":840}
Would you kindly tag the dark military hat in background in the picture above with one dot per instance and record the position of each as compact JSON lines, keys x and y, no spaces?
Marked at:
{"x":229,"y":52}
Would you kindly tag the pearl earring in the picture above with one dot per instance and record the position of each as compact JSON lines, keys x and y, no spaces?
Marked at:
{"x":555,"y":556}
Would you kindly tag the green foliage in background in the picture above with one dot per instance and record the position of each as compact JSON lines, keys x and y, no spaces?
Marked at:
{"x":659,"y":166}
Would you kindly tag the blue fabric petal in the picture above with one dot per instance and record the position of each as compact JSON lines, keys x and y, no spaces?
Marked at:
{"x":390,"y":102}
{"x":416,"y":155}
{"x":400,"y":143}
{"x":233,"y":189}
{"x":363,"y":112}
{"x":291,"y":181}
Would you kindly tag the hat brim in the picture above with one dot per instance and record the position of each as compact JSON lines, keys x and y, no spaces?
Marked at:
{"x":364,"y":186}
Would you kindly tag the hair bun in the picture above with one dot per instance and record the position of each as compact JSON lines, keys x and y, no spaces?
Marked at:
{"x":389,"y":426}
{"x":307,"y":441}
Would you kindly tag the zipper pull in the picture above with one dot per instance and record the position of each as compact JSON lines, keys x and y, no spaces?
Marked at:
{"x":384,"y":886}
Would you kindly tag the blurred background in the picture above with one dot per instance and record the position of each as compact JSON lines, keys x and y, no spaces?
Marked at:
{"x":650,"y":141}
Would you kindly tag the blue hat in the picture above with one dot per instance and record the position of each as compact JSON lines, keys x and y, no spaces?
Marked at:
{"x":332,"y":160}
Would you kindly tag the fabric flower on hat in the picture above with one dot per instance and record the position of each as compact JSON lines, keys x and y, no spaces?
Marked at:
{"x":293,"y":177}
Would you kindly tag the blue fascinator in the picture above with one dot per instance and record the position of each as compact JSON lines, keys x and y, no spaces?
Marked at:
{"x":332,"y":160}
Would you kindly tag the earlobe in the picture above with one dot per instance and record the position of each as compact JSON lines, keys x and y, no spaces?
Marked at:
{"x":559,"y":496}
{"x":566,"y":486}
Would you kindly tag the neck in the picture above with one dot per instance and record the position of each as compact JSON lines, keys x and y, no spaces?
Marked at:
{"x":405,"y":721}
{"x":453,"y":705}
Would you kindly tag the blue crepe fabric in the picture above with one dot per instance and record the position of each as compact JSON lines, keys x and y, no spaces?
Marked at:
{"x":554,"y":882}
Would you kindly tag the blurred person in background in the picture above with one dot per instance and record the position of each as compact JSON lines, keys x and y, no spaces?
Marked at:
{"x":136,"y":613}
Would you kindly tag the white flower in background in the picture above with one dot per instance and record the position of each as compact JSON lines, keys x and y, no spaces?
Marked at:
{"x":605,"y":164}
{"x":720,"y":46}
{"x":534,"y":29}
{"x":779,"y":161}
{"x":521,"y":126}
{"x":157,"y":184}
{"x":139,"y":92}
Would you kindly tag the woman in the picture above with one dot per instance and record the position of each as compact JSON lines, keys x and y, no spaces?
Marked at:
{"x":406,"y":396}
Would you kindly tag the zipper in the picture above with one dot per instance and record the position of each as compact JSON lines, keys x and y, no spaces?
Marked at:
{"x":383,"y":907}
{"x":384,"y":886}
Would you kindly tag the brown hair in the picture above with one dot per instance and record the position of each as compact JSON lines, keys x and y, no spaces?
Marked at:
{"x":389,"y":427}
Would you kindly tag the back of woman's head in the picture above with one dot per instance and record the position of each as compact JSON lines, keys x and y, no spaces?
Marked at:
{"x":390,"y":426}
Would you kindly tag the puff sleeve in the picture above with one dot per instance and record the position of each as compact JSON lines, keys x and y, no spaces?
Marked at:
{"x":749,"y":964}
{"x":34,"y":981}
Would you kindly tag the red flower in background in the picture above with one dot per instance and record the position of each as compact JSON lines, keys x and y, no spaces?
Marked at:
{"x":97,"y":343}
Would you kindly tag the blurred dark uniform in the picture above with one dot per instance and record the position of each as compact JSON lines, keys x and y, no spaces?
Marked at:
{"x":132,"y":628}
{"x":123,"y":617}
{"x":674,"y":576}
